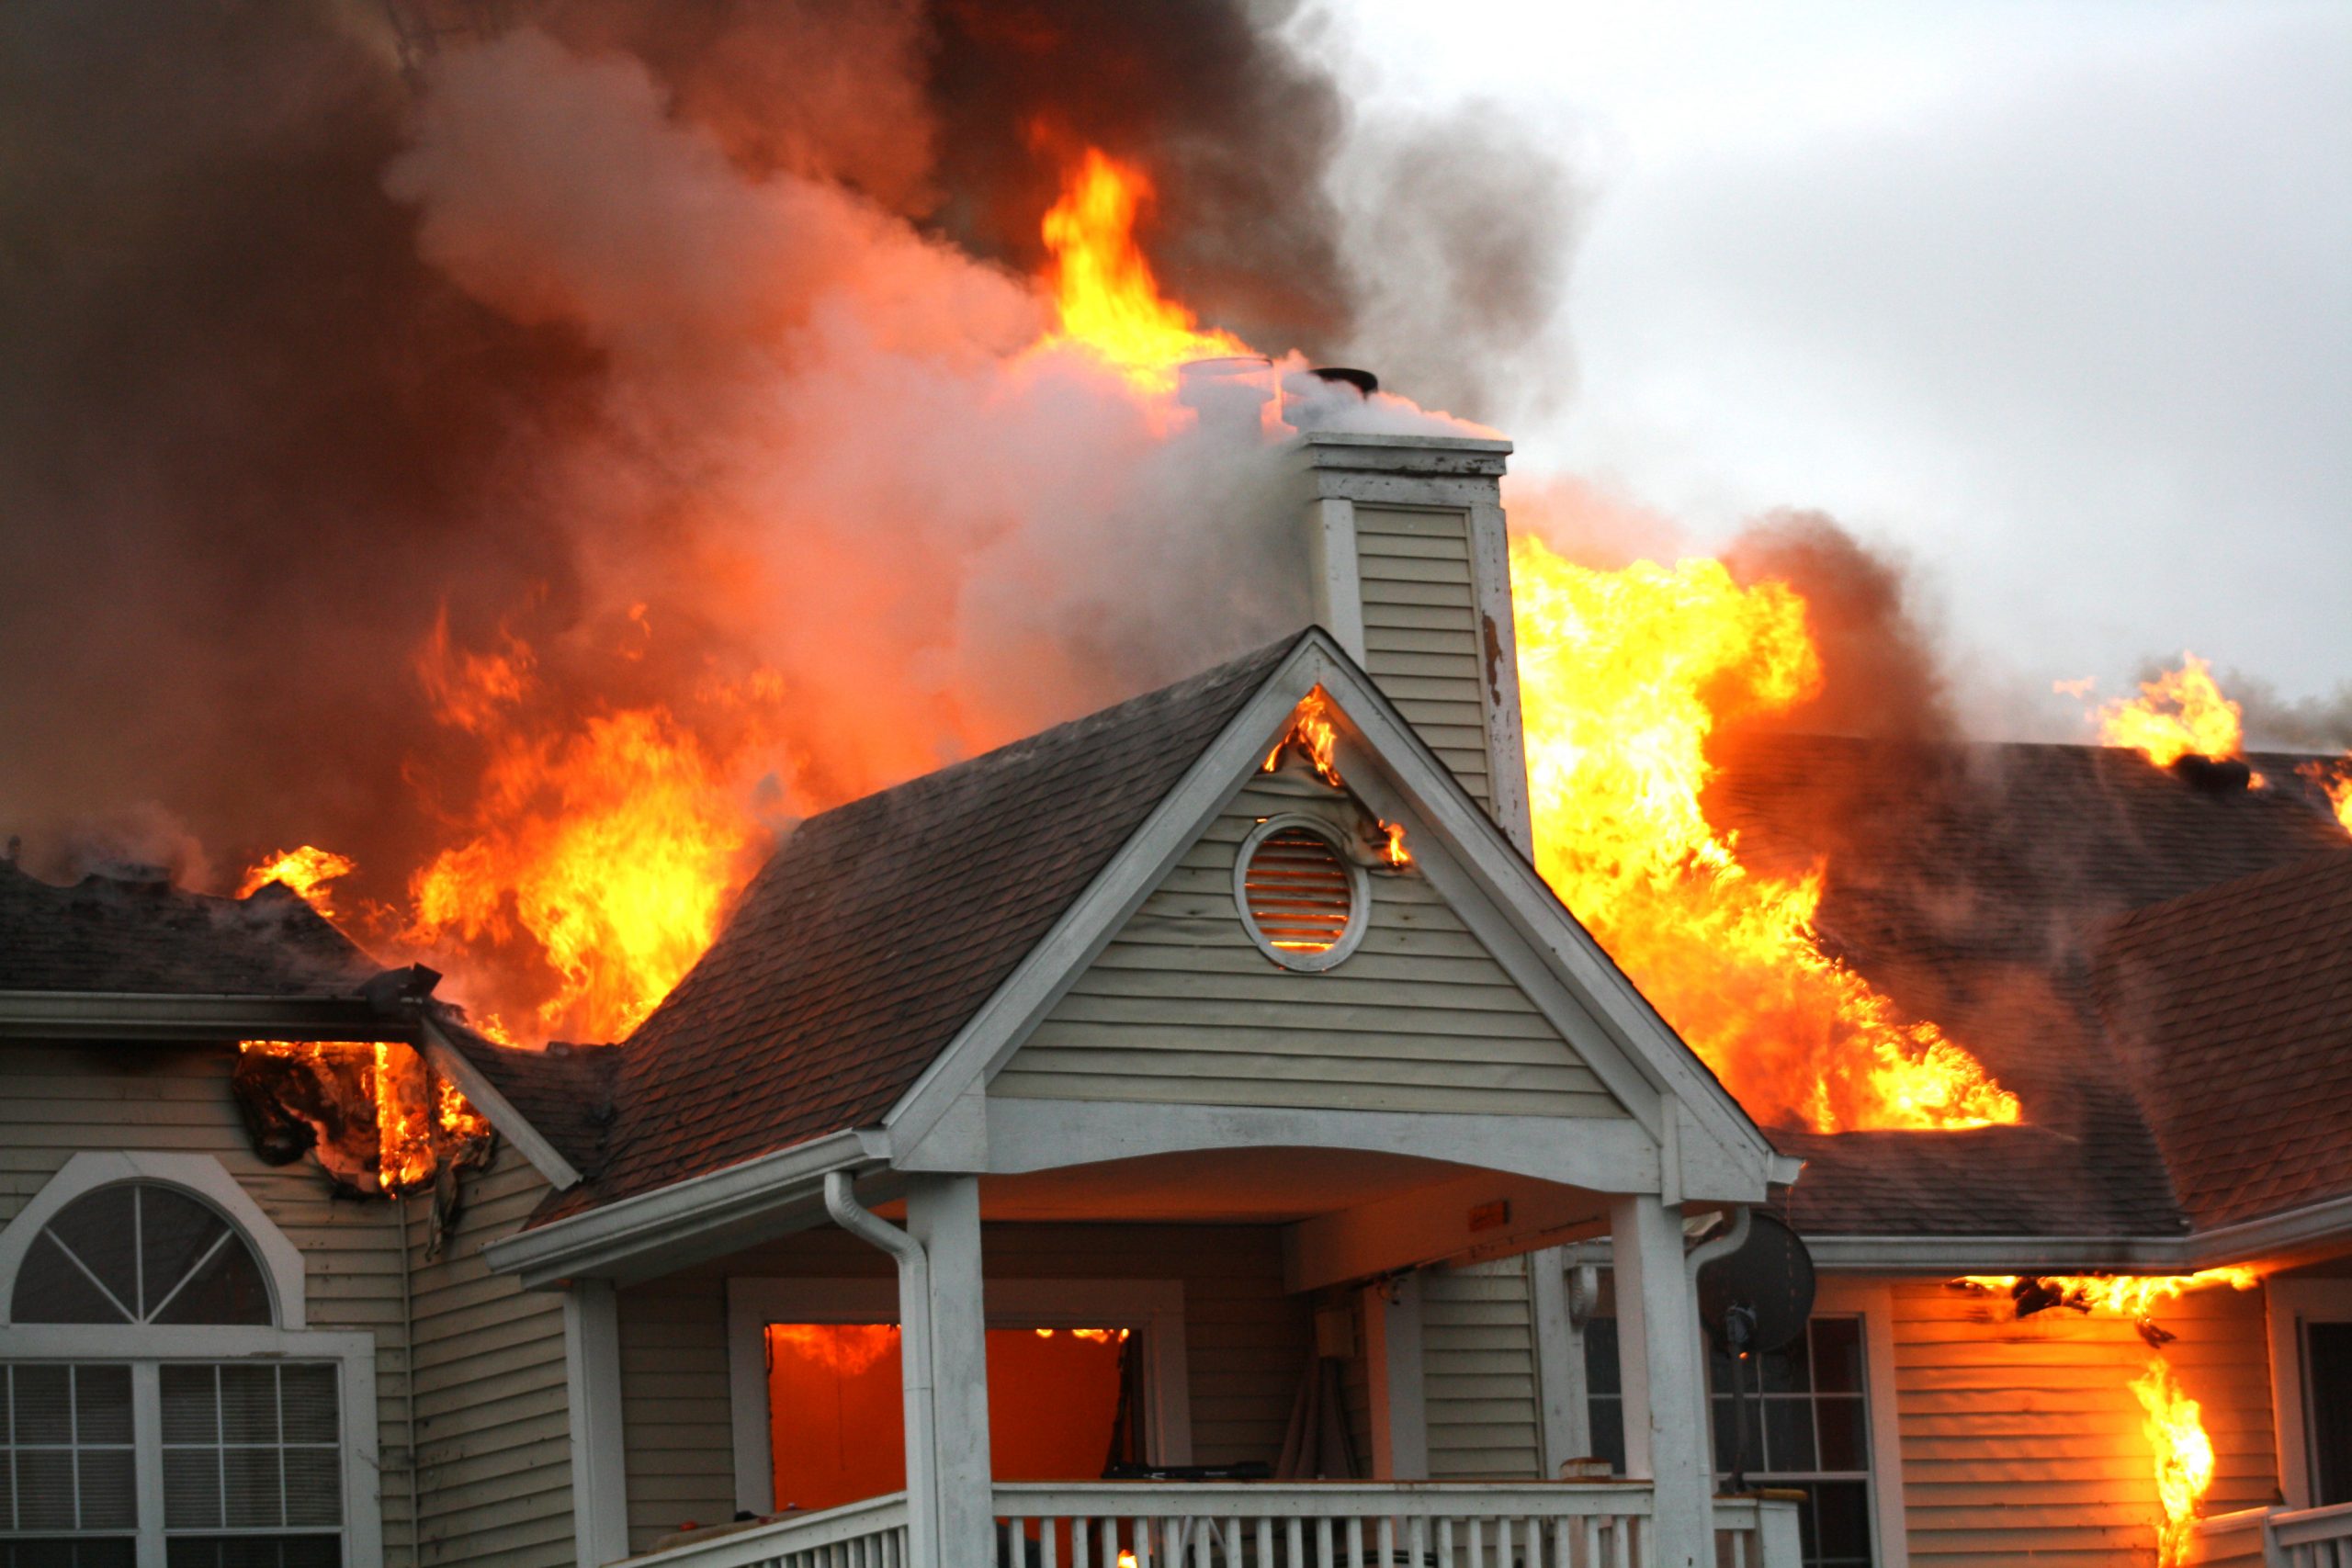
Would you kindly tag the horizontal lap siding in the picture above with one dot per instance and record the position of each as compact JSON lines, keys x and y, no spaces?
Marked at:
{"x":1422,"y":646}
{"x":1478,"y":1373}
{"x":1245,"y":1343}
{"x":1182,"y":1007}
{"x":2021,"y":1438}
{"x":58,"y":1101}
{"x":494,"y":1413}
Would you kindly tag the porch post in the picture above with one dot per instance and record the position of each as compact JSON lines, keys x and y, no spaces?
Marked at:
{"x":943,"y":1217}
{"x":1657,"y":1349}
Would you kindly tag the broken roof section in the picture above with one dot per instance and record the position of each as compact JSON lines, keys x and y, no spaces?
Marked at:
{"x":1979,"y":885}
{"x":138,"y":934}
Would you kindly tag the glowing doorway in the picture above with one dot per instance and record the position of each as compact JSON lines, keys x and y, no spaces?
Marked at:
{"x":837,"y":1420}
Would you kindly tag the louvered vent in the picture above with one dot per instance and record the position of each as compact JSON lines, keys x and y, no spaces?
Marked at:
{"x":1300,"y":896}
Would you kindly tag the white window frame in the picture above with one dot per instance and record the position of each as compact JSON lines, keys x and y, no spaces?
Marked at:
{"x":1153,"y":1308}
{"x":146,"y":1347}
{"x":2288,"y":1305}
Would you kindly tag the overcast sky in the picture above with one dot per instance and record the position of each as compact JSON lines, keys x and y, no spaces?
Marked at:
{"x":2055,"y":300}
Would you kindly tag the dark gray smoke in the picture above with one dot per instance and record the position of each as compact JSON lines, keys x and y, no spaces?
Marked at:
{"x":303,"y":363}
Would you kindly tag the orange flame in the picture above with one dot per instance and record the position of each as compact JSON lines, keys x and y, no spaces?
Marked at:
{"x":2174,"y":1427}
{"x":2335,"y":781}
{"x":1623,"y":676}
{"x":419,"y":1121}
{"x":1313,"y":736}
{"x":1104,"y":293}
{"x":2135,"y":1296}
{"x":306,"y":871}
{"x":848,"y":1349}
{"x":2181,"y":713}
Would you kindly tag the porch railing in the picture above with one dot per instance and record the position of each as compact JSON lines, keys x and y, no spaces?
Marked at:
{"x":1124,"y":1524}
{"x":2276,"y":1538}
{"x":1324,"y":1524}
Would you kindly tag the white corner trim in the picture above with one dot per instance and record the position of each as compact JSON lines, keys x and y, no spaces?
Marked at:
{"x":2288,"y":1305}
{"x":1874,"y":1302}
{"x":454,"y":1065}
{"x":1155,"y":1308}
{"x":1498,"y":674}
{"x":1399,"y":1388}
{"x":592,"y":1364}
{"x":200,"y":1176}
{"x":1337,"y":578}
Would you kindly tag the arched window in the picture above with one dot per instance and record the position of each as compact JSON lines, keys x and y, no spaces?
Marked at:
{"x":139,"y":1252}
{"x":161,"y":1401}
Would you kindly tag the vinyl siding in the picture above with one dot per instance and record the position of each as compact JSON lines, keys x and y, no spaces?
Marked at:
{"x":58,"y":1101}
{"x":1478,"y":1373}
{"x":2022,"y":1438}
{"x":1420,"y":630}
{"x":1246,"y":1341}
{"x":1183,"y":1006}
{"x":491,"y":1421}
{"x":494,"y":1413}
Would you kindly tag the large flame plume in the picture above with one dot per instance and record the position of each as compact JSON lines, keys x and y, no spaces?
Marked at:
{"x":2173,"y":1424}
{"x":2180,"y":713}
{"x":1623,"y":676}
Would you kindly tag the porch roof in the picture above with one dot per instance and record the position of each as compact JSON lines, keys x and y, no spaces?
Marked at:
{"x":880,"y":928}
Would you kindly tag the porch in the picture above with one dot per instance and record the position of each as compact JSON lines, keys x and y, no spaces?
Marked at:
{"x":2275,"y":1538}
{"x":1272,"y":1524}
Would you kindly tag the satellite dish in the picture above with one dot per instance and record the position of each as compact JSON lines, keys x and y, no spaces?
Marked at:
{"x":1766,"y":1282}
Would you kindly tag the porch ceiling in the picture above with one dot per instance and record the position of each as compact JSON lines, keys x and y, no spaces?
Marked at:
{"x":1265,"y":1184}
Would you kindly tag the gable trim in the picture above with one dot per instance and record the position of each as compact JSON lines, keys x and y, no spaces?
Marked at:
{"x":453,"y":1063}
{"x":1562,"y":959}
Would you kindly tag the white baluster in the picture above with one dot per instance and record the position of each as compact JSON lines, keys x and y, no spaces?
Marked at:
{"x":1324,"y":1556}
{"x":1445,"y":1541}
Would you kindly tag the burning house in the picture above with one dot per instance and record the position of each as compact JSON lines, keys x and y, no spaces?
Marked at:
{"x":1279,"y":1118}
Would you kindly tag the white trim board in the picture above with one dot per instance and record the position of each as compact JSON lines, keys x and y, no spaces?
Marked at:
{"x":201,"y":1177}
{"x":456,"y":1066}
{"x":1154,"y":1308}
{"x":1874,"y":1302}
{"x":2288,"y":1305}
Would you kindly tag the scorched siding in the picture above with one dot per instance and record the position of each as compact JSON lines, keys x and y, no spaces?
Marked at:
{"x":2022,"y":1439}
{"x":1182,"y":1007}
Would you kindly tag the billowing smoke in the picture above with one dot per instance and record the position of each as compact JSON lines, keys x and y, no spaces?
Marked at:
{"x":651,"y":386}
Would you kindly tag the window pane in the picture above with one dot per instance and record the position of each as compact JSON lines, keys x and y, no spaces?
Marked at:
{"x":314,"y":1486}
{"x":50,"y":1289}
{"x":250,"y":1479}
{"x":311,"y":1552}
{"x":1601,"y":1356}
{"x":1837,"y":1355}
{"x":248,"y":1404}
{"x":1844,"y":1441}
{"x":1788,"y":1435}
{"x":174,"y":1230}
{"x":310,"y":1407}
{"x":1840,"y":1516}
{"x":228,"y":1288}
{"x":101,"y":1403}
{"x":191,"y":1410}
{"x":109,"y":1498}
{"x":84,"y":1553}
{"x":1609,"y":1432}
{"x":191,"y":1488}
{"x":102,"y":1229}
{"x":44,"y":1489}
{"x":1726,"y":1417}
{"x":44,"y":1403}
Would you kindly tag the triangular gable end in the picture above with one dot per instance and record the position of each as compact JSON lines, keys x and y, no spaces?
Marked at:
{"x":1119,"y":1001}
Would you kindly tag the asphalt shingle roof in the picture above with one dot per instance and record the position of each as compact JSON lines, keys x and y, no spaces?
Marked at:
{"x":1974,"y":885}
{"x":880,"y":928}
{"x":107,"y":933}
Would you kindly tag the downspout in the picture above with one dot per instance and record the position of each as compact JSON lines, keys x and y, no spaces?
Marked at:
{"x":1698,"y":1258}
{"x":915,"y":1356}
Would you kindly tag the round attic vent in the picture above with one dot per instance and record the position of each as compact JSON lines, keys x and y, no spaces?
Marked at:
{"x":1303,"y":901}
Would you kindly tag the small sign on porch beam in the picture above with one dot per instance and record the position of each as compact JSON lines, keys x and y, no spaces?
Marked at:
{"x":1490,"y":1216}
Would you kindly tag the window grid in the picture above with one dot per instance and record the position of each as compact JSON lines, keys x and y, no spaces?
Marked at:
{"x":1788,"y":1438}
{"x":251,"y":1447}
{"x":66,"y":1449}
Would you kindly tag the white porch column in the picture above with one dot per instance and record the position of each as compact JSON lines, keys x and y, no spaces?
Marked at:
{"x":591,"y":1356}
{"x":944,"y":1218}
{"x":1658,"y":1350}
{"x":1400,"y":1433}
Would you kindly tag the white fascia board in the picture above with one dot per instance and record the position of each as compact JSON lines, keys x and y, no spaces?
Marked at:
{"x":1220,"y":774}
{"x":1371,"y":731}
{"x":633,"y":1237}
{"x":454,"y":1064}
{"x":141,"y":1015}
{"x":2291,"y":1236}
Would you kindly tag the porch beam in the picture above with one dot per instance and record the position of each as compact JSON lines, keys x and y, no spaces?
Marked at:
{"x":1660,"y":1370}
{"x":1431,"y":1225}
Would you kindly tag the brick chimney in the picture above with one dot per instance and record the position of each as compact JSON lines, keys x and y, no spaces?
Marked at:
{"x":1412,"y":574}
